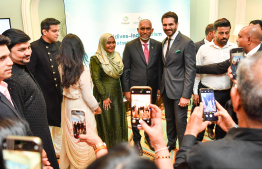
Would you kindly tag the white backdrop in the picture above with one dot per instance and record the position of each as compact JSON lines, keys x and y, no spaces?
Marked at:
{"x":89,"y":19}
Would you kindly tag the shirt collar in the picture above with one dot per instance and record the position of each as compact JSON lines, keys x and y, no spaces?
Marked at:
{"x":214,"y":45}
{"x":253,"y":51}
{"x":144,"y":42}
{"x":3,"y":86}
{"x":206,"y":41}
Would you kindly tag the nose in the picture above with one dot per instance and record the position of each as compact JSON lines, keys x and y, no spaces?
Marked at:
{"x":28,"y":52}
{"x":9,"y":61}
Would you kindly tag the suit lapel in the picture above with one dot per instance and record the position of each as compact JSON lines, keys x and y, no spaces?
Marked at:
{"x":140,"y":50}
{"x":151,"y":51}
{"x":174,"y":45}
{"x":8,"y":103}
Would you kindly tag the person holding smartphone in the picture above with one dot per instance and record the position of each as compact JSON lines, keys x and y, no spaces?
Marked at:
{"x":77,"y":91}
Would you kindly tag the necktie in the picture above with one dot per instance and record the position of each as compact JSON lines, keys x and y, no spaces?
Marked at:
{"x":168,"y":44}
{"x":7,"y":95}
{"x":146,"y":53}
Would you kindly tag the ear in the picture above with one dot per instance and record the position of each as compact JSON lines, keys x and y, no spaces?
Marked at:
{"x":236,"y":101}
{"x":44,"y":31}
{"x":137,"y":30}
{"x":152,"y":30}
{"x":249,"y":40}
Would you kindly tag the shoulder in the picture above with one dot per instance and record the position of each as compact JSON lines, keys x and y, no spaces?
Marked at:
{"x":184,"y":37}
{"x":132,"y":42}
{"x":156,"y":42}
{"x":36,"y":43}
{"x":94,"y":59}
{"x":200,"y":42}
{"x":232,"y":45}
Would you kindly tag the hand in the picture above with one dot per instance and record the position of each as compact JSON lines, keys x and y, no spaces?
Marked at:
{"x":196,"y":124}
{"x":155,"y":132}
{"x":98,"y":111}
{"x":158,"y":94}
{"x":128,"y":97}
{"x":196,"y":99}
{"x":91,"y":137}
{"x":224,"y":119}
{"x":183,"y":102}
{"x":45,"y":161}
{"x":229,"y":74}
{"x":106,"y":104}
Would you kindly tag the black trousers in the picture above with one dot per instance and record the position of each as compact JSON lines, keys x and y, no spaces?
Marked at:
{"x":176,"y":120}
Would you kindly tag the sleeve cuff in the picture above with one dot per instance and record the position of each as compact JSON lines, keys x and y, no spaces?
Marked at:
{"x":188,"y":141}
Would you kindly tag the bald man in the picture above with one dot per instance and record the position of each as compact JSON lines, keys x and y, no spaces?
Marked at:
{"x":248,"y":38}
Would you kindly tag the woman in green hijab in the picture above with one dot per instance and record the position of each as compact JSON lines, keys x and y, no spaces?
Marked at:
{"x":106,"y":68}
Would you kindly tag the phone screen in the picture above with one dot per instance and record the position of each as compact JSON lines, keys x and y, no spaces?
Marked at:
{"x":209,"y":104}
{"x":236,"y":57}
{"x":140,"y":99}
{"x":78,"y":122}
{"x":22,"y":154}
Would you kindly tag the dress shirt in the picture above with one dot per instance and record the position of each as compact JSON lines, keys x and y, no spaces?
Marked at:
{"x":148,"y":44}
{"x":208,"y":54}
{"x":4,"y":91}
{"x":253,"y":51}
{"x":206,"y":41}
{"x":173,"y":37}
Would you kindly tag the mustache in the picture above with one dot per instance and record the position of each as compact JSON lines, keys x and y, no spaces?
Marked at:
{"x":26,"y":56}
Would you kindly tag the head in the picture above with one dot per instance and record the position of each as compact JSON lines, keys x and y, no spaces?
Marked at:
{"x":19,"y":47}
{"x":170,"y":23}
{"x":122,"y":157}
{"x":256,"y":23}
{"x":5,"y":61}
{"x":210,"y":32}
{"x":50,"y":30}
{"x":71,"y":59}
{"x":249,"y":38}
{"x":247,"y":97}
{"x":222,"y":31}
{"x":107,"y":42}
{"x":145,"y":30}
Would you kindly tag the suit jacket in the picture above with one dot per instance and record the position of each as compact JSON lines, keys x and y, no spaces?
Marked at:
{"x":240,"y":148}
{"x":44,"y":68}
{"x":136,"y":71}
{"x":198,"y":44}
{"x":179,"y":69}
{"x":216,"y":68}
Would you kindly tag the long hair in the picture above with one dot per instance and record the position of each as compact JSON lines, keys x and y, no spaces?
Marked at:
{"x":71,"y":59}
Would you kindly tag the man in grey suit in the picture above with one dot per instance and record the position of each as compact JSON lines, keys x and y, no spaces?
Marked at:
{"x":142,"y":67}
{"x":179,"y":71}
{"x":209,"y":36}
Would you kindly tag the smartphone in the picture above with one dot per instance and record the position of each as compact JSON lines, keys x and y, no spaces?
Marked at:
{"x":236,"y":55}
{"x":209,"y":104}
{"x":141,"y":97}
{"x":78,"y":117}
{"x":22,"y":152}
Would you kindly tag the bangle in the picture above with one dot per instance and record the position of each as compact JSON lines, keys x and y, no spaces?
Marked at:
{"x":160,"y":157}
{"x":235,"y":126}
{"x":100,"y":148}
{"x":161,"y":149}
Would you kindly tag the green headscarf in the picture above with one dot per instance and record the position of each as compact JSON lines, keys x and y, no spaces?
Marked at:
{"x":111,"y":62}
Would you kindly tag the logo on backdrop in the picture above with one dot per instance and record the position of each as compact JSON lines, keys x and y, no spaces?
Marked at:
{"x":125,"y":20}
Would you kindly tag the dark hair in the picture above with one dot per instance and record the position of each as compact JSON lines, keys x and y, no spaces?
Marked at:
{"x":254,"y":22}
{"x":45,"y":24}
{"x":71,"y":59}
{"x":170,"y":15}
{"x":209,"y":28}
{"x":4,"y":40}
{"x":223,"y":22}
{"x":16,"y":36}
{"x":122,"y":157}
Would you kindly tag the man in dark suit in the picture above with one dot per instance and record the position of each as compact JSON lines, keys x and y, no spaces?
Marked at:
{"x":44,"y":68}
{"x":179,"y":71}
{"x":209,"y":36}
{"x":142,"y":67}
{"x":241,"y":147}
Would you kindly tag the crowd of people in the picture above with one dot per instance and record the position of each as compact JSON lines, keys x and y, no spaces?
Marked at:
{"x":42,"y":82}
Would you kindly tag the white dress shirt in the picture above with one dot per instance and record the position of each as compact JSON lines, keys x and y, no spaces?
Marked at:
{"x":173,"y":37}
{"x":206,"y":41}
{"x":253,"y":51}
{"x":209,"y":54}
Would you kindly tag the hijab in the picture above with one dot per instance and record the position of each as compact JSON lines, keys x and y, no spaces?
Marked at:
{"x":111,"y":62}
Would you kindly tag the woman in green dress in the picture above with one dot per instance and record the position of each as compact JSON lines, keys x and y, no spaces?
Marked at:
{"x":106,"y":67}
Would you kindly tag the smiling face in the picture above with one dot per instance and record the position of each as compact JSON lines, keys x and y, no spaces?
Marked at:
{"x":169,"y":26}
{"x":5,"y":63}
{"x":145,"y":30}
{"x":21,"y":53}
{"x":111,"y":44}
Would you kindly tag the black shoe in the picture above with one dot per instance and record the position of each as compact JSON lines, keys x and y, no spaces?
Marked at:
{"x":148,"y":142}
{"x":211,"y":135}
{"x":138,"y":148}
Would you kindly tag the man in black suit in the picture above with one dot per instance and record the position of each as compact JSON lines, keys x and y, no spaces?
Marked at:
{"x":44,"y":68}
{"x":142,"y":67}
{"x":179,"y":71}
{"x":209,"y":36}
{"x":241,"y":147}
